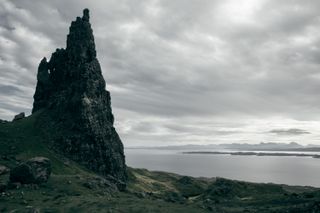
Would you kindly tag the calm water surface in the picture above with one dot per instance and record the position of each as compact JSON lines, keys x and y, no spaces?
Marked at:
{"x":280,"y":169}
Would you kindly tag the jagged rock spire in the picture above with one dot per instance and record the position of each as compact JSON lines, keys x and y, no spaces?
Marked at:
{"x":80,"y":41}
{"x":41,"y":94}
{"x":86,"y":15}
{"x":71,"y":94}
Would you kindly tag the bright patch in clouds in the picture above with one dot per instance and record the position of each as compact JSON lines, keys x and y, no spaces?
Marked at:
{"x":241,"y":11}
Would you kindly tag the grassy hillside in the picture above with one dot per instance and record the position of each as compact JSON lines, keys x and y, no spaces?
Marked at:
{"x":72,"y":188}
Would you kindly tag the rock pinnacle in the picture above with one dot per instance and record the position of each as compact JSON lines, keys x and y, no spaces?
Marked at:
{"x":73,"y":104}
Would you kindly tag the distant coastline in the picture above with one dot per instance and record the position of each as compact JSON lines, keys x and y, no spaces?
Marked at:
{"x":255,"y":154}
{"x":241,"y":147}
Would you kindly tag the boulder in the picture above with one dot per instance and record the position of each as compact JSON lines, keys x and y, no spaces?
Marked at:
{"x":36,"y":170}
{"x":4,"y":170}
{"x":19,"y":116}
{"x":96,"y":183}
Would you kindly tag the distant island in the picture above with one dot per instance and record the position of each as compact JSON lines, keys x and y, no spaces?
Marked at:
{"x":256,"y":154}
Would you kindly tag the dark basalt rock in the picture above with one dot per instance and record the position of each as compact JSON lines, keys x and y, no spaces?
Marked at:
{"x":19,"y":116}
{"x":35,"y":170}
{"x":3,"y":121}
{"x":98,"y":183}
{"x":73,"y":102}
{"x":4,"y":169}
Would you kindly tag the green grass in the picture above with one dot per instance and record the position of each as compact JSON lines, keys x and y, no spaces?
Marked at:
{"x":66,"y":190}
{"x":22,"y":139}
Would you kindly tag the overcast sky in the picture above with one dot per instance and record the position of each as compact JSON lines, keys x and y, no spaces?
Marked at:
{"x":181,"y":71}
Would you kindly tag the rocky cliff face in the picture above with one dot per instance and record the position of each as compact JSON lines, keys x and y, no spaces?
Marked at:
{"x":71,"y":93}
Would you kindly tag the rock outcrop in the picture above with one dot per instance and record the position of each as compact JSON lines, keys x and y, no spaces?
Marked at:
{"x":3,"y":121}
{"x":36,"y":170}
{"x":19,"y":116}
{"x":72,"y":100}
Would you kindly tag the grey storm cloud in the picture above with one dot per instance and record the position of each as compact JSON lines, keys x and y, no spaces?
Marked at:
{"x":289,"y":131}
{"x":180,"y":71}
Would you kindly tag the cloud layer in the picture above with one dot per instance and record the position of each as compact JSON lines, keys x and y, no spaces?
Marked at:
{"x":179,"y":71}
{"x":289,"y":131}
